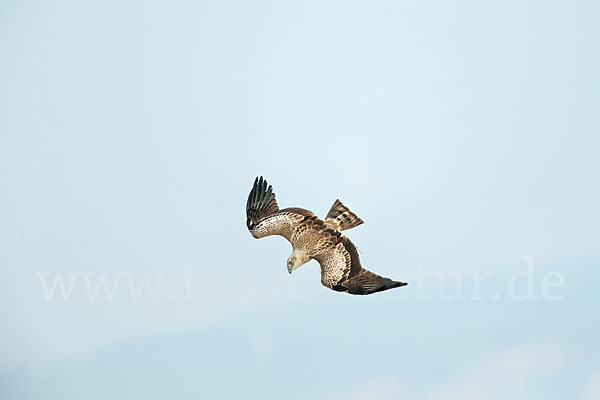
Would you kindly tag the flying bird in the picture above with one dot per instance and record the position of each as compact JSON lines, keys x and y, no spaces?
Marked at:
{"x":313,"y":238}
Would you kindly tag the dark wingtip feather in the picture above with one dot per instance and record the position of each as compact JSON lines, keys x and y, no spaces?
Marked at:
{"x":261,"y":200}
{"x":387,"y":286}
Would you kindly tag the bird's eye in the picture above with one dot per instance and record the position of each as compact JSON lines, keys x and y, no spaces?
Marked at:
{"x":290,"y":263}
{"x":249,"y":223}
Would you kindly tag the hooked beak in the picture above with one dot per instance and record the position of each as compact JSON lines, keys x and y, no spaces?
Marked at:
{"x":291,"y":267}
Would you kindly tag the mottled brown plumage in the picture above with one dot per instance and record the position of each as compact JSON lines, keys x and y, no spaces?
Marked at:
{"x":313,"y":238}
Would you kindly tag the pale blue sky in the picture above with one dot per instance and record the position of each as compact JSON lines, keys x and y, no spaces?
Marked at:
{"x":465,"y":134}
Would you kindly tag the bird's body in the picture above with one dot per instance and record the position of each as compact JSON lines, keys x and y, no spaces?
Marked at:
{"x":313,"y":238}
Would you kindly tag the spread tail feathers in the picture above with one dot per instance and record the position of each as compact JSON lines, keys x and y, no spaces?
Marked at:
{"x":342,"y":216}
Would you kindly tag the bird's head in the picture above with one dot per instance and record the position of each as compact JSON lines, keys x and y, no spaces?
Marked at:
{"x":297,"y":259}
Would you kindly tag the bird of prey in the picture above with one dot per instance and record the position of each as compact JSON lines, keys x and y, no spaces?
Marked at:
{"x":313,"y":238}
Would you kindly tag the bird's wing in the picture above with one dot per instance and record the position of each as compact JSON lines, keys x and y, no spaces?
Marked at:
{"x":341,"y":269}
{"x":287,"y":223}
{"x":261,"y":202}
{"x":264,"y":216}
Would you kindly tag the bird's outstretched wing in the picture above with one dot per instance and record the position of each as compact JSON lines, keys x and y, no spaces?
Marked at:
{"x":341,"y":269}
{"x":261,"y":202}
{"x":263,"y":216}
